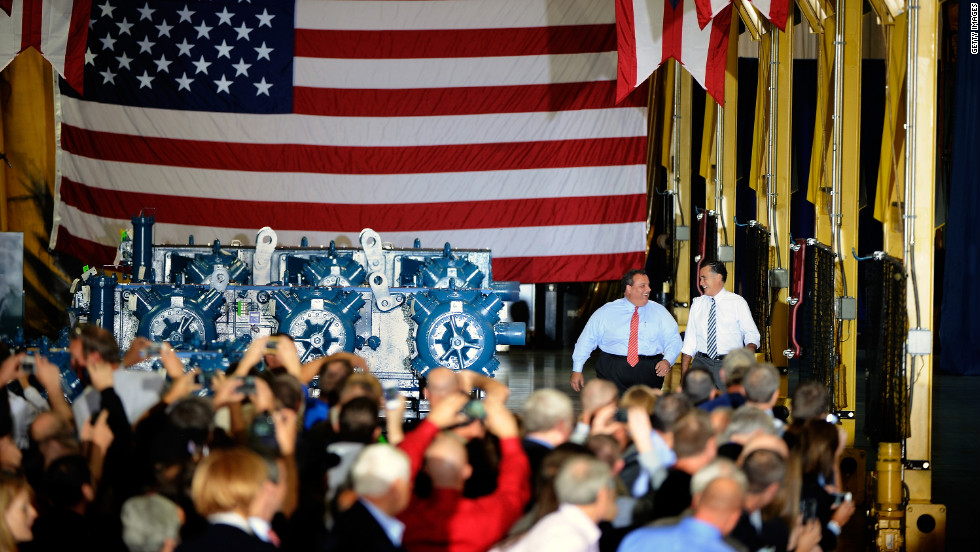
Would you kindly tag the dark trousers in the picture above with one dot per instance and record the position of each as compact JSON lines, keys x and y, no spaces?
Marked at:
{"x":712,"y":365}
{"x":615,"y":369}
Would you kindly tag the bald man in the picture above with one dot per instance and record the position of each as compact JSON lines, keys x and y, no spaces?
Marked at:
{"x":716,"y":512}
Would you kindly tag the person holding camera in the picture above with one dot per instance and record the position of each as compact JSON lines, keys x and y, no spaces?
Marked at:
{"x":446,"y":520}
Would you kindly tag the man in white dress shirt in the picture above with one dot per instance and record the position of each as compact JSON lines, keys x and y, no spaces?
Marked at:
{"x":638,"y":340}
{"x":720,"y":321}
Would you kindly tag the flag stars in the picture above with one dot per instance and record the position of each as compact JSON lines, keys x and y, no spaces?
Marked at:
{"x":124,"y":61}
{"x":241,"y":68}
{"x":163,"y":64}
{"x":107,"y":10}
{"x":202,"y":66}
{"x":108,"y":43}
{"x":203,"y":31}
{"x":265,"y":18}
{"x":108,"y":77}
{"x":224,"y":50}
{"x":145,"y":45}
{"x":185,"y":14}
{"x":223,"y":84}
{"x":263,"y":52}
{"x":89,"y":57}
{"x":262,"y":87}
{"x":225,"y":17}
{"x":145,"y":80}
{"x":243,"y":32}
{"x":184,"y":83}
{"x":124,"y":27}
{"x":184,"y":48}
{"x":163,"y":29}
{"x":146,"y":12}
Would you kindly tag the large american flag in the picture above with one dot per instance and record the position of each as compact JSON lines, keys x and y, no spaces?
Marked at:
{"x":484,"y":123}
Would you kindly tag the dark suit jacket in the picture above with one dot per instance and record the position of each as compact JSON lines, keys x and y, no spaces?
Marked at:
{"x":774,"y":535}
{"x":225,"y":537}
{"x":357,"y":530}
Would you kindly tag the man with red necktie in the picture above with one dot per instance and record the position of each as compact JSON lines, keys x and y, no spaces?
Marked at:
{"x":638,"y":340}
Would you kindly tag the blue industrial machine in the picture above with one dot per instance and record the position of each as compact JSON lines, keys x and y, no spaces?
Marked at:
{"x":209,"y":301}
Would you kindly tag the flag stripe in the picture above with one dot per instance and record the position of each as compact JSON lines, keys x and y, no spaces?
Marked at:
{"x":353,"y":189}
{"x":358,"y":14}
{"x":395,"y":217}
{"x":355,"y":160}
{"x":626,"y":49}
{"x":428,"y":102}
{"x":717,"y":62}
{"x":456,"y":43}
{"x":444,"y":73}
{"x":525,"y":241}
{"x":75,"y":47}
{"x":356,"y":131}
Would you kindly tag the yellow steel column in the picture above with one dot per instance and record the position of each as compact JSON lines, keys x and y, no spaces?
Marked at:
{"x":783,"y":165}
{"x":681,"y":178}
{"x":922,"y":153}
{"x":730,"y":132}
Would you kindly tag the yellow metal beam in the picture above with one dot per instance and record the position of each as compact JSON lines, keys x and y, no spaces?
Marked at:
{"x":922,"y":153}
{"x":681,"y":177}
{"x":783,"y":165}
{"x":729,"y":132}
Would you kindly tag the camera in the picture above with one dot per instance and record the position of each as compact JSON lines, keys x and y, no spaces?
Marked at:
{"x":248,"y":385}
{"x":203,"y":379}
{"x":622,"y":415}
{"x":474,"y":410}
{"x":808,"y":509}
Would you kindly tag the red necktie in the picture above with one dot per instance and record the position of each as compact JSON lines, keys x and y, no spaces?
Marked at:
{"x":633,"y":351}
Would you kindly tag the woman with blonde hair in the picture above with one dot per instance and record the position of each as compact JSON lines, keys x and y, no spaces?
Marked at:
{"x":228,"y":488}
{"x":18,"y":512}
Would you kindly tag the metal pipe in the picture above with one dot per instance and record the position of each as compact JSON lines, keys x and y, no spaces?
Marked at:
{"x":771,"y":143}
{"x":911,"y":91}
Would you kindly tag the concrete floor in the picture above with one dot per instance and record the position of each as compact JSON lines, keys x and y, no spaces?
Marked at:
{"x":955,"y":436}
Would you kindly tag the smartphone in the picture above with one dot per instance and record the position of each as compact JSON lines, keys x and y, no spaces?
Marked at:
{"x":272,"y":346}
{"x":393,"y":395}
{"x":152,"y":350}
{"x":248,"y":385}
{"x":622,"y":415}
{"x":262,"y":435}
{"x":27,"y":364}
{"x":840,"y":498}
{"x":203,"y":379}
{"x":808,"y":509}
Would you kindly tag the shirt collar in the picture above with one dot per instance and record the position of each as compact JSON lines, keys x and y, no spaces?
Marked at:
{"x":260,"y":527}
{"x":700,"y":527}
{"x":541,"y":442}
{"x":231,"y":518}
{"x":391,"y":526}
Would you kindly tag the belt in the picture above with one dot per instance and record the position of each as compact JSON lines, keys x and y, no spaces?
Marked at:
{"x":624,"y":356}
{"x":704,"y":355}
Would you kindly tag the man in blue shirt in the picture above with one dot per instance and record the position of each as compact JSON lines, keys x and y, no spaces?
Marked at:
{"x":716,"y":512}
{"x":638,"y":340}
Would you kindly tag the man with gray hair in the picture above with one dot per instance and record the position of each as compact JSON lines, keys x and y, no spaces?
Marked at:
{"x":151,"y":523}
{"x":586,"y":494}
{"x":762,"y":389}
{"x":549,"y":419}
{"x":383,"y":484}
{"x":718,"y":491}
{"x":746,"y":423}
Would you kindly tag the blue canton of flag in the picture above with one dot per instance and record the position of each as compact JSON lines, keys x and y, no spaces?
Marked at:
{"x":203,"y":56}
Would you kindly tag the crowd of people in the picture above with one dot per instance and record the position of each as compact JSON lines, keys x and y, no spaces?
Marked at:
{"x":255,"y":460}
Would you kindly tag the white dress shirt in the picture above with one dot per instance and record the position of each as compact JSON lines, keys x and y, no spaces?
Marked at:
{"x":733,"y":324}
{"x":609,"y":329}
{"x":568,"y":529}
